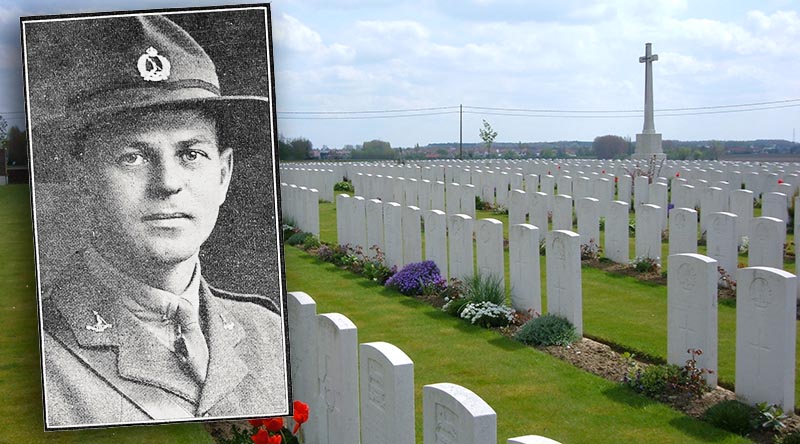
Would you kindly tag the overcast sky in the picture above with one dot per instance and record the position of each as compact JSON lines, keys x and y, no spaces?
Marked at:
{"x":569,"y":55}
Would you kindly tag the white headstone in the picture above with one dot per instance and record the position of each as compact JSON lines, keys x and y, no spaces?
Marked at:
{"x":437,"y":195}
{"x":523,"y":257}
{"x":765,"y":336}
{"x":393,"y":234}
{"x":374,"y":226}
{"x":682,"y":231}
{"x":489,"y":249}
{"x":343,"y":216}
{"x":641,"y":191}
{"x":302,"y":314}
{"x":617,"y":247}
{"x":468,"y":200}
{"x":742,"y":207}
{"x":387,"y":394}
{"x":337,"y":353}
{"x":692,"y":311}
{"x":587,"y":210}
{"x":459,"y":246}
{"x":648,"y":232}
{"x":767,"y":236}
{"x":412,"y":235}
{"x":436,"y":239}
{"x":453,"y":198}
{"x":562,"y":212}
{"x":774,"y":205}
{"x":624,"y":186}
{"x":721,"y":241}
{"x":358,"y":223}
{"x":453,"y":414}
{"x":540,"y":210}
{"x":518,"y":207}
{"x":563,"y":259}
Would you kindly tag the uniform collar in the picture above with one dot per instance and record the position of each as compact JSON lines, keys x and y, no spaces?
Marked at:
{"x":141,"y":357}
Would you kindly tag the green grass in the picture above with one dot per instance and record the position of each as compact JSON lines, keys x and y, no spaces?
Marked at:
{"x":532,"y":392}
{"x":625,"y":311}
{"x":21,"y":418}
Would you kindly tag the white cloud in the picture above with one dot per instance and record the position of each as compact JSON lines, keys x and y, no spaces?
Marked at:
{"x":301,"y":40}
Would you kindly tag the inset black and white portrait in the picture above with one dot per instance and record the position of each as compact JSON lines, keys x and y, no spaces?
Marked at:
{"x":155,"y":198}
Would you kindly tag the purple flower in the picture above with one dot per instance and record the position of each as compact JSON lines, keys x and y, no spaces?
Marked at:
{"x":414,"y":276}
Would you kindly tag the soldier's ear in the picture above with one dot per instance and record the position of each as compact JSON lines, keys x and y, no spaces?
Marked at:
{"x":225,"y":170}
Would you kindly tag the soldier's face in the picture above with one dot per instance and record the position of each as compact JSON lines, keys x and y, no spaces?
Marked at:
{"x":158,"y":180}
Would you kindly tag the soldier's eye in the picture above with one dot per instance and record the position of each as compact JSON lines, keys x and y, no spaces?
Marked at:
{"x":192,"y":155}
{"x":131,"y":159}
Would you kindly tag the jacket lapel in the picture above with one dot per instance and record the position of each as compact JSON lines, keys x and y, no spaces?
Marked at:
{"x":226,"y":366}
{"x":140,"y":357}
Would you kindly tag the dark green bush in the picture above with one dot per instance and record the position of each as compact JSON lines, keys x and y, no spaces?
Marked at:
{"x":655,"y":380}
{"x":344,"y":186}
{"x":791,"y":438}
{"x":547,"y":329}
{"x":310,"y":242}
{"x":298,"y":238}
{"x":732,"y":416}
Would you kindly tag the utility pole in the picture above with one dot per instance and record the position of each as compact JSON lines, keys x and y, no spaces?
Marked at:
{"x":461,"y":131}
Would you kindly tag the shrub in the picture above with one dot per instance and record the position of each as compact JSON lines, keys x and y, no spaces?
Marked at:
{"x":590,"y":251}
{"x":487,"y":314}
{"x":485,"y":288}
{"x":660,"y":381}
{"x":732,"y":416}
{"x":654,"y":381}
{"x":791,"y":438}
{"x":547,"y":329}
{"x":310,"y":242}
{"x":414,"y":276}
{"x":298,"y":238}
{"x":645,"y":264}
{"x":344,"y":186}
{"x":374,"y":268}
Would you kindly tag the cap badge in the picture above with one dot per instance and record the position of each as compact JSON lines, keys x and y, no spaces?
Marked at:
{"x":153,"y":67}
{"x":100,"y":325}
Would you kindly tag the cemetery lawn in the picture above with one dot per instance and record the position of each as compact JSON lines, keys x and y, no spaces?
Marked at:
{"x":531,"y":391}
{"x":21,"y":417}
{"x":624,"y":311}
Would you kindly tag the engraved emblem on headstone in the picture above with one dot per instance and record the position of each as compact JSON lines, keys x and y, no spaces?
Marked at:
{"x":688,"y":277}
{"x":761,"y":293}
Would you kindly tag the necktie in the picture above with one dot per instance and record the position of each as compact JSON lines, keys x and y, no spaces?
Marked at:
{"x":190,"y":344}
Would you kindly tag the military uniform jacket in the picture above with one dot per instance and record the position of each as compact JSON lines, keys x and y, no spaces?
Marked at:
{"x":123,"y":374}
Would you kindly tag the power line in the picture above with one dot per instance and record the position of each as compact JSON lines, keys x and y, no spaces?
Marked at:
{"x":365,"y":117}
{"x":371,"y":111}
{"x":740,"y":105}
{"x":658,"y":113}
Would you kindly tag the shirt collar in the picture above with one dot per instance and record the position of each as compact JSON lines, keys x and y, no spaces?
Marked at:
{"x":145,"y":302}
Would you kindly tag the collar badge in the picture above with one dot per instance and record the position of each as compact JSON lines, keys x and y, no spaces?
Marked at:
{"x":152,"y":66}
{"x":100,"y":325}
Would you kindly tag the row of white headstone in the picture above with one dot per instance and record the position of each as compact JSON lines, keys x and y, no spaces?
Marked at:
{"x":300,"y":205}
{"x":766,"y":328}
{"x":758,"y":177}
{"x":322,"y":179}
{"x":365,"y":393}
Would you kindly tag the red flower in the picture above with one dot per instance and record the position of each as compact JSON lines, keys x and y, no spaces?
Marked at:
{"x":255,"y":422}
{"x":262,"y":437}
{"x":616,"y":179}
{"x":273,"y":424}
{"x":780,"y":181}
{"x":300,"y":414}
{"x":678,"y":174}
{"x":603,"y":172}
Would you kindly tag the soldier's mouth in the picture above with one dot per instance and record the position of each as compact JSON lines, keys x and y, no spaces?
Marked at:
{"x":165,"y":216}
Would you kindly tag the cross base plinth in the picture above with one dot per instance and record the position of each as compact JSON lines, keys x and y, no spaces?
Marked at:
{"x":647,"y":146}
